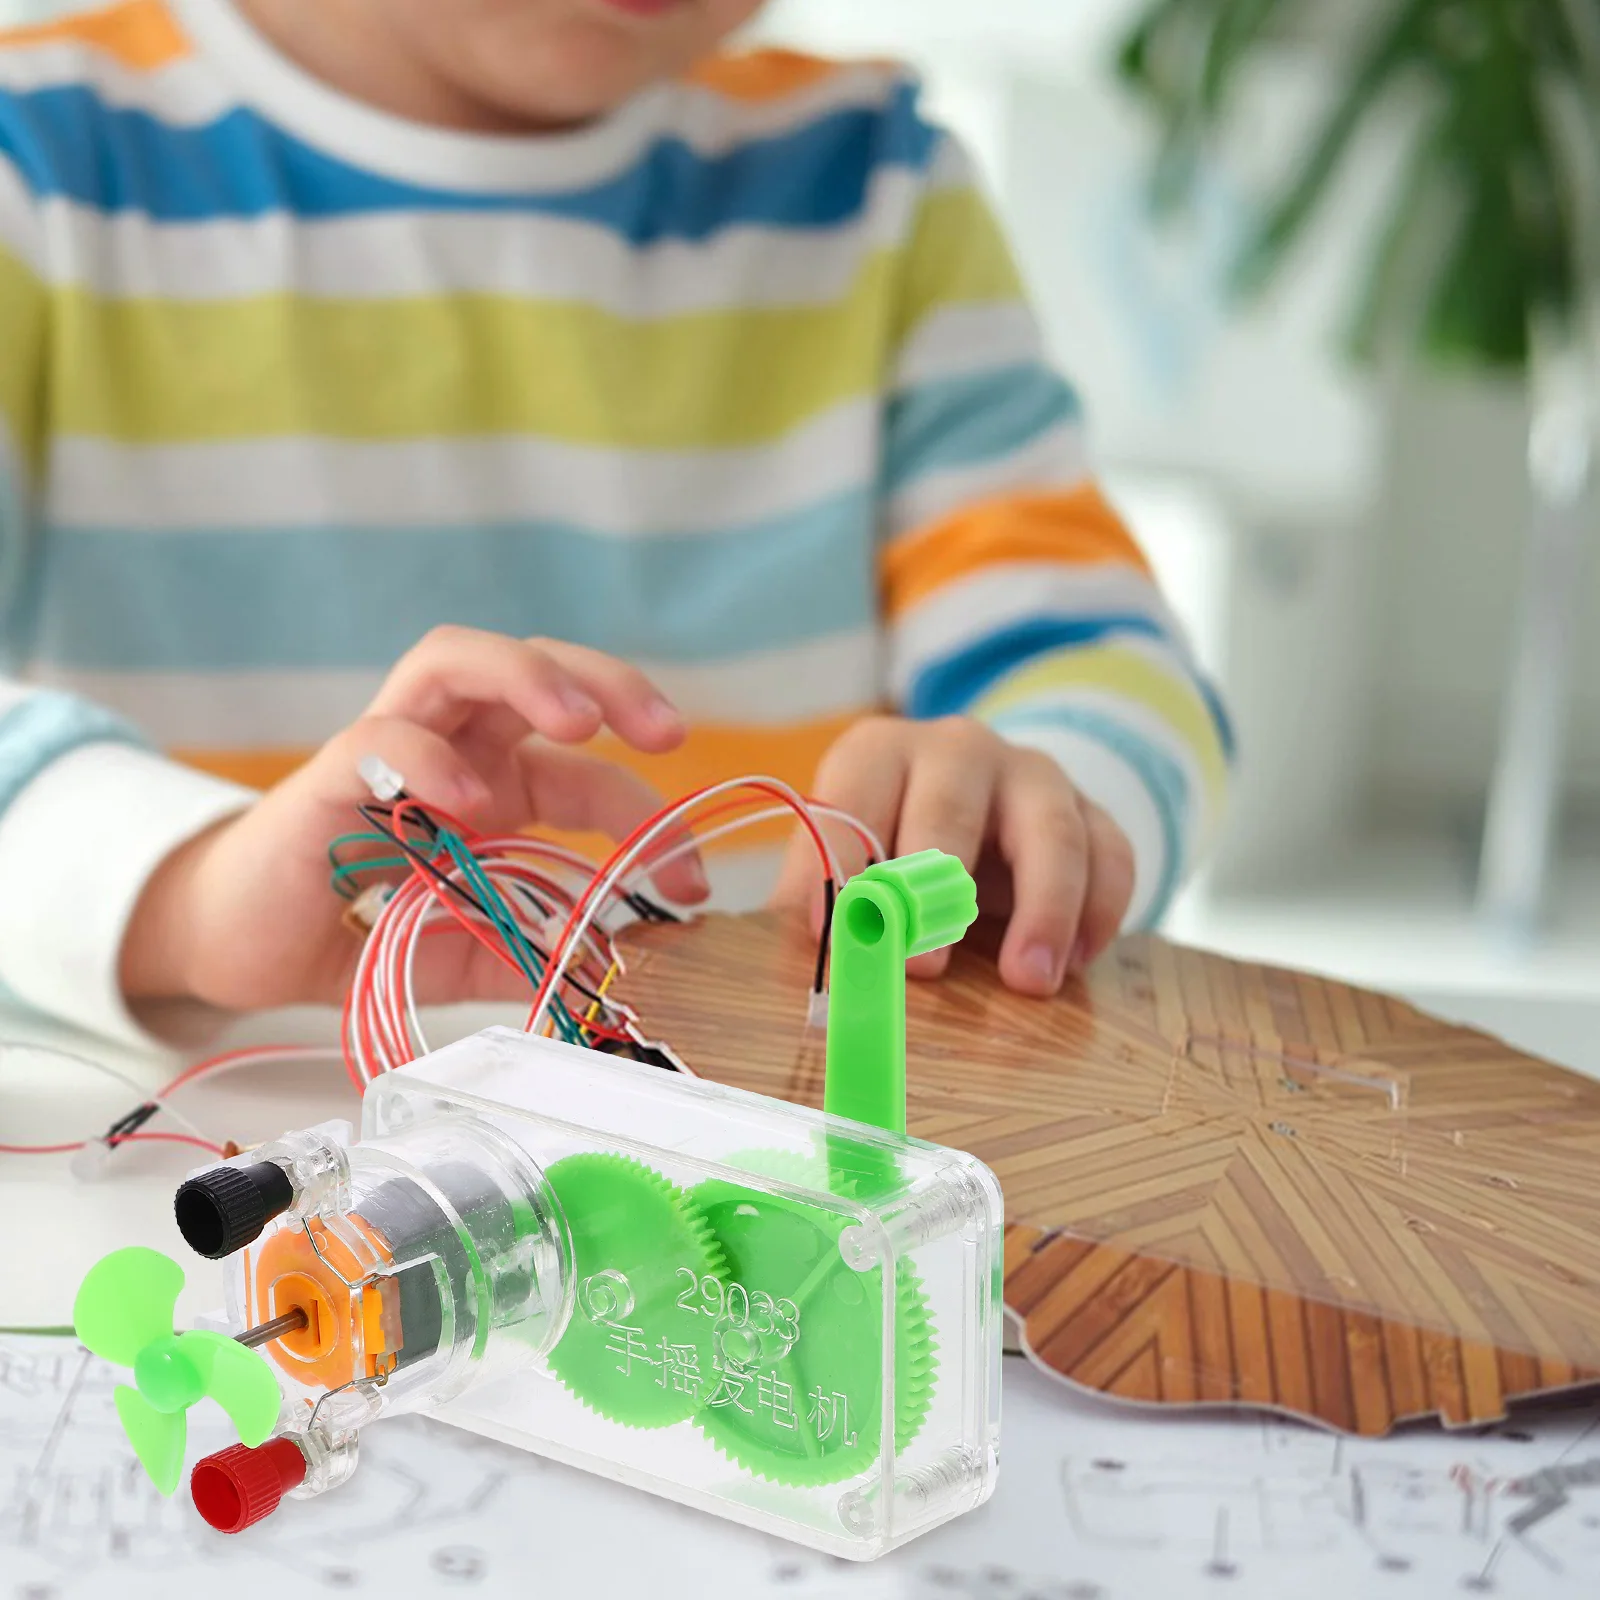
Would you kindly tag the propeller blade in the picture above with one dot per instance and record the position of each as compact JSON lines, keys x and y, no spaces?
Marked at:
{"x":158,"y":1437}
{"x":126,"y":1302}
{"x":240,"y":1381}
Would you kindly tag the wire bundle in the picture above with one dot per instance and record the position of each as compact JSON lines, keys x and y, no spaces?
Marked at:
{"x":542,"y":910}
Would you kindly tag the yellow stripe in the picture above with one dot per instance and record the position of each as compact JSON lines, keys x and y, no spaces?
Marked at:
{"x":141,"y":34}
{"x":956,"y":254}
{"x":1118,"y":670}
{"x":147,"y":370}
{"x":711,"y":753}
{"x":22,"y":333}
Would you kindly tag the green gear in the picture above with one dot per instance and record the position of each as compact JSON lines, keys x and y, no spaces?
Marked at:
{"x":639,"y":1346}
{"x":779,"y":1414}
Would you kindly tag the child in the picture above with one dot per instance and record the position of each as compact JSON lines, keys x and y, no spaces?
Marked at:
{"x":543,"y":333}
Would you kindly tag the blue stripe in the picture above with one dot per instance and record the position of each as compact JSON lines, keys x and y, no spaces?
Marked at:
{"x":1159,"y":773}
{"x":959,"y":422}
{"x":948,"y":686}
{"x":1219,"y":716}
{"x":16,"y":515}
{"x":66,"y":141}
{"x":110,"y":600}
{"x":45,"y":727}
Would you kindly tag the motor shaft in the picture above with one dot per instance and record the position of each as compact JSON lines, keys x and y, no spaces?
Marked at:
{"x":290,"y":1322}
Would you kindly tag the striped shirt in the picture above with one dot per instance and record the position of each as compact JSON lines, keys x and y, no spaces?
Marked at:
{"x":738,"y":383}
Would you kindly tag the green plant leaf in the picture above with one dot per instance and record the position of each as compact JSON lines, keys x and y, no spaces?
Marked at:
{"x":1490,"y":227}
{"x":1139,"y":58}
{"x":1574,"y":39}
{"x":1240,"y":26}
{"x":1401,"y":270}
{"x":1401,"y":44}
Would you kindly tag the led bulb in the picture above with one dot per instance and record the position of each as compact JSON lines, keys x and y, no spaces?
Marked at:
{"x":385,"y":783}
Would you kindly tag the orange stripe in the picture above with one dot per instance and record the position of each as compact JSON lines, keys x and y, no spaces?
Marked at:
{"x":712,"y":752}
{"x":1077,"y":528}
{"x":255,"y":769}
{"x":761,"y":74}
{"x":139,"y":33}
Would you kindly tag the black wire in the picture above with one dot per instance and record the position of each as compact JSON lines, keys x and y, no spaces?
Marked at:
{"x":827,"y":931}
{"x":378,"y":817}
{"x":647,"y":909}
{"x":131,"y":1123}
{"x":829,"y":895}
{"x":527,"y":892}
{"x":375,"y":820}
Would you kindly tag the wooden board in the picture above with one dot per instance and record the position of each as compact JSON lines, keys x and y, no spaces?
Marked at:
{"x":1224,"y":1183}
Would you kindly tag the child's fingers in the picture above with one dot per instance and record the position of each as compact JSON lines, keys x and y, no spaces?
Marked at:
{"x":1111,"y":882}
{"x":1044,"y":835}
{"x":864,"y":774}
{"x":634,"y":708}
{"x":433,"y":770}
{"x":950,"y":790}
{"x":569,"y":789}
{"x":455,"y":670}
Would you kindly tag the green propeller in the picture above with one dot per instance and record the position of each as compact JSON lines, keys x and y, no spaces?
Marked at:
{"x":123,"y":1313}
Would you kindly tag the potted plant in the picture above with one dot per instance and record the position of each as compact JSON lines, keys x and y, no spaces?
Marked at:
{"x":1486,"y":258}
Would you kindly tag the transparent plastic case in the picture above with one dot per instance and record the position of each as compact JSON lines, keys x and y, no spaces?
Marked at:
{"x":778,"y":1316}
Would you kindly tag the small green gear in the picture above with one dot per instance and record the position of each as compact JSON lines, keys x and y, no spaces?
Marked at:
{"x":808,"y":1411}
{"x":640,"y":1343}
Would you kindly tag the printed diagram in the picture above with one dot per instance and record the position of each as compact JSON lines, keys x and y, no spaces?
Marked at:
{"x":1456,"y":1511}
{"x":1095,"y":1503}
{"x":431,"y":1510}
{"x":75,"y":1505}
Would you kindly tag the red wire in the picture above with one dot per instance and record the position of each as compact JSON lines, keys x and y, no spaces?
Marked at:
{"x":375,"y":1031}
{"x":227,"y":1058}
{"x":621,"y":852}
{"x":126,"y":1138}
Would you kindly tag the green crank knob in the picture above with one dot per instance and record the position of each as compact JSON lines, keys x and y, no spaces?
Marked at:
{"x":883,"y":916}
{"x":937,"y":894}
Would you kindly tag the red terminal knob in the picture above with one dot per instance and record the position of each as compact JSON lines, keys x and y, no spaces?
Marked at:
{"x":240,"y":1485}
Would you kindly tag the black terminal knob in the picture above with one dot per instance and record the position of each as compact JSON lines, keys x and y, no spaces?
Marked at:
{"x":224,"y":1209}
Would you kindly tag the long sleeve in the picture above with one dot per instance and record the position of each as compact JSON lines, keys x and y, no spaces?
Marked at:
{"x":87,"y":810}
{"x":1012,"y":591}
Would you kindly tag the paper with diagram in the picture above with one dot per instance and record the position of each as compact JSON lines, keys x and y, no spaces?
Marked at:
{"x":1095,"y":1503}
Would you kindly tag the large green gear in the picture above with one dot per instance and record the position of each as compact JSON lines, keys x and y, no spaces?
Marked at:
{"x":809,"y":1413}
{"x":639,"y":1346}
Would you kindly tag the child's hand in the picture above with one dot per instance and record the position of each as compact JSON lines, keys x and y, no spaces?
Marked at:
{"x":243,"y":916}
{"x":1048,"y":861}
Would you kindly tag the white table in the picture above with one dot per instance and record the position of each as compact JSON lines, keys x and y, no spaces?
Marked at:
{"x":1096,"y":1502}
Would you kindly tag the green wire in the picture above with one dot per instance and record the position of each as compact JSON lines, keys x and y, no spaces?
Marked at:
{"x":343,"y":873}
{"x":349,"y":870}
{"x":501,"y":916}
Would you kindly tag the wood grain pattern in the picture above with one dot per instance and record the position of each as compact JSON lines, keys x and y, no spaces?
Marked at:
{"x":1225,"y":1183}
